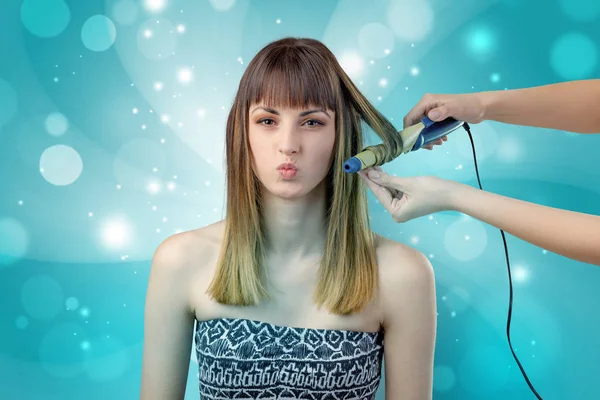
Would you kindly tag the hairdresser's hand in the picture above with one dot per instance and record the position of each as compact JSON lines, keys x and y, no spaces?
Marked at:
{"x":464,"y":107}
{"x":409,"y":198}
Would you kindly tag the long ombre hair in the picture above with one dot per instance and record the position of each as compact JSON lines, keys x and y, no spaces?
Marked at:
{"x":295,"y":73}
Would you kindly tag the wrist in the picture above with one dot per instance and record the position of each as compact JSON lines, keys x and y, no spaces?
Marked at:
{"x":455,"y":195}
{"x":486,"y":101}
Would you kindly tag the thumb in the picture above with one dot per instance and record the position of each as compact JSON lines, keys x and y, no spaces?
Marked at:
{"x":383,"y":179}
{"x":438,"y":114}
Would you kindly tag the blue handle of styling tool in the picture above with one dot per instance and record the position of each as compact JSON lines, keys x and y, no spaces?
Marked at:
{"x":435,"y":130}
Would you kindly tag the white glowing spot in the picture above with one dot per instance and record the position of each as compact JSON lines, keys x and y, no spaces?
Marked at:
{"x":352,"y":63}
{"x":412,"y":45}
{"x":383,"y":82}
{"x":379,"y":98}
{"x":116,"y":233}
{"x":444,"y":298}
{"x":165,"y":118}
{"x":155,"y":5}
{"x":118,"y":187}
{"x":389,"y":66}
{"x":135,"y":110}
{"x":162,"y":140}
{"x":459,"y":167}
{"x":154,"y":208}
{"x":207,"y":183}
{"x":277,"y":21}
{"x":202,"y":112}
{"x":158,"y":86}
{"x":431,"y":256}
{"x":533,"y":342}
{"x":495,"y":77}
{"x":153,"y":187}
{"x":372,"y":62}
{"x":174,"y":176}
{"x":240,"y":60}
{"x":406,"y":88}
{"x":178,"y":230}
{"x":467,"y":237}
{"x":90,"y":214}
{"x":124,"y":257}
{"x":144,"y":127}
{"x":85,"y":345}
{"x":414,"y":71}
{"x":184,"y":75}
{"x":154,"y":169}
{"x":165,"y":219}
{"x":387,"y":52}
{"x":171,"y":186}
{"x":520,"y":274}
{"x":20,"y":202}
{"x":430,"y":217}
{"x":414,"y":239}
{"x":180,"y":28}
{"x":180,"y":124}
{"x":544,"y":251}
{"x":453,"y":314}
{"x":147,"y":33}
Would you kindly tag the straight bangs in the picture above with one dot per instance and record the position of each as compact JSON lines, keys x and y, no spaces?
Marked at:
{"x":293,"y":79}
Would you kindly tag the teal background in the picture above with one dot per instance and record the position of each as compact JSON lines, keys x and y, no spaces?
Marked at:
{"x":112,"y":123}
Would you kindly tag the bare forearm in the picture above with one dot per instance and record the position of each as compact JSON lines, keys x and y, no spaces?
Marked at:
{"x":571,"y":234}
{"x":570,"y":106}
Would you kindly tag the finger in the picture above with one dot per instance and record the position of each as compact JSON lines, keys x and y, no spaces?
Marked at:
{"x":445,"y":138}
{"x":428,"y":147}
{"x":419,"y":110}
{"x":383,"y":179}
{"x":438,"y":113}
{"x":380,"y":192}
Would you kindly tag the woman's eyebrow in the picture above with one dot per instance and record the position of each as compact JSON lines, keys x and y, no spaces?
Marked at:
{"x":303,"y":113}
{"x":269,"y":110}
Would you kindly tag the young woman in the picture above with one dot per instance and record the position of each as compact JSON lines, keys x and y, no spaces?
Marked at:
{"x":292,"y":294}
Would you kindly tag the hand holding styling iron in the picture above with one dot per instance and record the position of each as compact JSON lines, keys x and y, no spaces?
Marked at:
{"x":571,"y":234}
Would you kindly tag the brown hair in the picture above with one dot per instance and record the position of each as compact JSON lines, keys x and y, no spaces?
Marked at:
{"x":298,"y":72}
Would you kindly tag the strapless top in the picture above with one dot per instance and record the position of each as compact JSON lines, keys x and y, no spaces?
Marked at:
{"x":246,"y":359}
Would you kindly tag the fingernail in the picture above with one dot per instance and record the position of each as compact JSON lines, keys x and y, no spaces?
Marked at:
{"x":374,"y":174}
{"x":434,"y":115}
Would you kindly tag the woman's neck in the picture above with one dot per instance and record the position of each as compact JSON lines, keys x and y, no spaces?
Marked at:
{"x":296,"y":228}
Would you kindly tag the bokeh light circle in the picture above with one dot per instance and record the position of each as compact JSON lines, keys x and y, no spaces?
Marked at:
{"x":574,"y":56}
{"x":45,"y":18}
{"x":60,"y":351}
{"x":98,"y":33}
{"x":61,"y":165}
{"x":56,"y":124}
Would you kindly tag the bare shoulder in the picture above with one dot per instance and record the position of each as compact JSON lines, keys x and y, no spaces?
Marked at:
{"x":399,"y":263}
{"x":405,"y":277}
{"x":183,"y":255}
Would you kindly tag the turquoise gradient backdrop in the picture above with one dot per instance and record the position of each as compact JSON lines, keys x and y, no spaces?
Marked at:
{"x":112,"y":117}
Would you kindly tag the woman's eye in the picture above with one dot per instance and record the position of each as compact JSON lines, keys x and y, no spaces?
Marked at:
{"x":266,"y":121}
{"x":313,"y":122}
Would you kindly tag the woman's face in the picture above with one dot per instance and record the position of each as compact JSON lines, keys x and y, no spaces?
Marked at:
{"x":292,"y":148}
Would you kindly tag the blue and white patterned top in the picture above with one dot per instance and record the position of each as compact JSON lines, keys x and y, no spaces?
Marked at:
{"x":246,"y":359}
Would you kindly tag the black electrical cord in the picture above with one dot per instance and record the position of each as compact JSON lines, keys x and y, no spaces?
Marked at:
{"x":468,"y":129}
